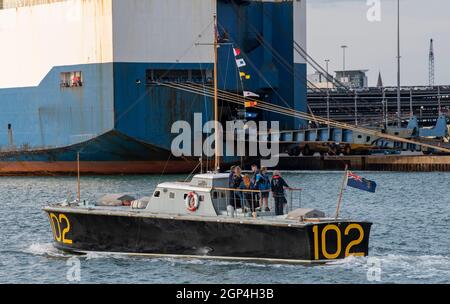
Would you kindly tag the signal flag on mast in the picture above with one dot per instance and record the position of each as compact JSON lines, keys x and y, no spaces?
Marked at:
{"x":244,"y":76}
{"x":251,"y":104}
{"x":250,"y":94}
{"x":241,"y":63}
{"x":251,"y":115}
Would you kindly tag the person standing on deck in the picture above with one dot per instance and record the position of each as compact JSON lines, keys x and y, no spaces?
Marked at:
{"x":231,"y":176}
{"x":263,"y":184}
{"x":254,"y":186}
{"x":235,"y":183}
{"x":278,"y":185}
{"x":255,"y":172}
{"x":248,"y":197}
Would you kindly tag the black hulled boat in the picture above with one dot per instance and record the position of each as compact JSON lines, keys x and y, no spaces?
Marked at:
{"x":194,"y":219}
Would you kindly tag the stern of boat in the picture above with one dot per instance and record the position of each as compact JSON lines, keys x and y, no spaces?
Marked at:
{"x":338,"y":240}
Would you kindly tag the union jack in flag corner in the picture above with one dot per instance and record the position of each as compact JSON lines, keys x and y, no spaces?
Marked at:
{"x":358,"y":182}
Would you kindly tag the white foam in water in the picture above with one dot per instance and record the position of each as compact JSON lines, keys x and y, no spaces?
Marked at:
{"x":107,"y":255}
{"x":46,"y":249}
{"x":97,"y":255}
{"x":349,"y":262}
{"x":414,"y":266}
{"x":418,"y":267}
{"x":396,"y":268}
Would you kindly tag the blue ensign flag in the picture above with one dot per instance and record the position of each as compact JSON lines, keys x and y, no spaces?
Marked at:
{"x":358,"y":182}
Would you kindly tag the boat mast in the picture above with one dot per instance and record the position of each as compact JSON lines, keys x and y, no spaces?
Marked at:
{"x":216,"y":99}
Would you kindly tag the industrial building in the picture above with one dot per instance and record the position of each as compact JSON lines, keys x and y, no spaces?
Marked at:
{"x":353,"y":79}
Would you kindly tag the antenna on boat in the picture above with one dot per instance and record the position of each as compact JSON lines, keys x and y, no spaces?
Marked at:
{"x":341,"y":193}
{"x":216,"y":99}
{"x":78,"y":178}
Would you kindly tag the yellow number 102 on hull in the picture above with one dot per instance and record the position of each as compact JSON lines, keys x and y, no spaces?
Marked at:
{"x":340,"y":240}
{"x":60,"y":228}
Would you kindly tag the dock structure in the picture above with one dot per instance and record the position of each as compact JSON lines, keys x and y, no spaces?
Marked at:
{"x":375,"y":105}
{"x":399,"y":163}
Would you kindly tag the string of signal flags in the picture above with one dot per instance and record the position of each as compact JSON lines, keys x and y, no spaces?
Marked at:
{"x":240,"y":63}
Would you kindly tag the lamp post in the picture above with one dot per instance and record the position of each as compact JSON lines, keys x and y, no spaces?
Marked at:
{"x":344,"y":47}
{"x":356,"y":107}
{"x":439,"y":101}
{"x":327,"y":61}
{"x":385,"y":111}
{"x":399,"y":96}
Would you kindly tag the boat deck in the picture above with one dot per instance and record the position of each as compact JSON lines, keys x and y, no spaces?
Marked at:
{"x":262,"y":218}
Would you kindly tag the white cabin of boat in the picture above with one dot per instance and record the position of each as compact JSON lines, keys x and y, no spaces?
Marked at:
{"x":213,"y":195}
{"x":170,"y":197}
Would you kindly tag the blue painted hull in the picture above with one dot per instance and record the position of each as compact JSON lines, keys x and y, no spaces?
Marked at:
{"x":110,"y":153}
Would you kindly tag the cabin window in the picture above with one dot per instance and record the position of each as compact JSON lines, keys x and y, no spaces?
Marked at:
{"x":368,"y":139}
{"x":215,"y":195}
{"x":222,"y":194}
{"x":157,"y":194}
{"x":71,"y":79}
{"x":360,"y":136}
{"x":202,"y":184}
{"x":172,"y":195}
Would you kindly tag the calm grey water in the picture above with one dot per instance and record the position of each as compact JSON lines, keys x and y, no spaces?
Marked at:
{"x":410,"y":242}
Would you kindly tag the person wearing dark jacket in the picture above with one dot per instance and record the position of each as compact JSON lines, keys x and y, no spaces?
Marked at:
{"x":231,"y":176}
{"x":254,"y":185}
{"x":235,"y":182}
{"x":278,"y":185}
{"x":255,"y":172}
{"x":263,"y":184}
{"x":248,"y":197}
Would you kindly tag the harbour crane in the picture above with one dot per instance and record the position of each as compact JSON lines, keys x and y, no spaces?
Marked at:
{"x":431,"y":71}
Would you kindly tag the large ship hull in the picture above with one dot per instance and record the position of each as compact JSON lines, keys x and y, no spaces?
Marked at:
{"x":96,"y":168}
{"x":83,"y":85}
{"x":110,"y":153}
{"x":138,"y":234}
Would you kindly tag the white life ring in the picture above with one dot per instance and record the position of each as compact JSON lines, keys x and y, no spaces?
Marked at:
{"x":192,"y":202}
